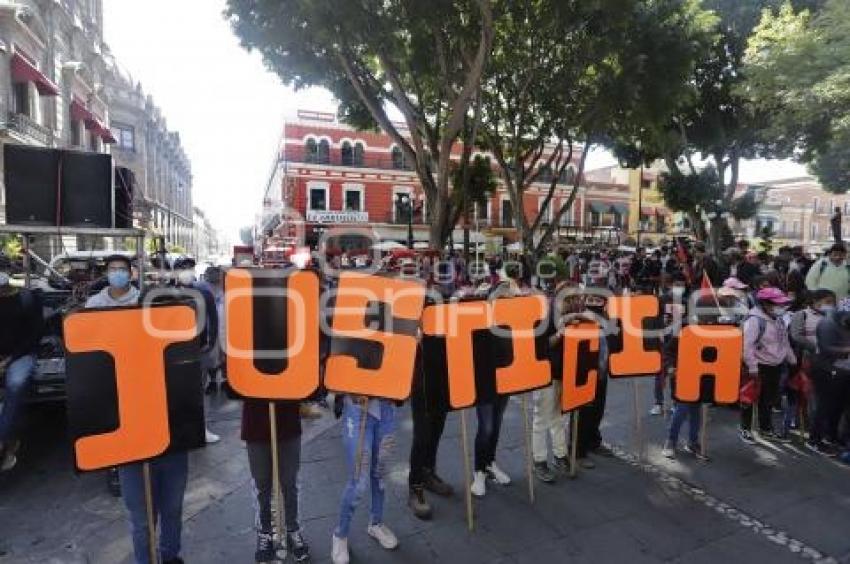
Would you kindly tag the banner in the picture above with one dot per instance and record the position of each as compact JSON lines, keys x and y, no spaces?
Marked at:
{"x":134,"y":384}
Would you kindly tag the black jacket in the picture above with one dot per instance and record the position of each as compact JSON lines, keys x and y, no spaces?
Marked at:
{"x":21,"y":321}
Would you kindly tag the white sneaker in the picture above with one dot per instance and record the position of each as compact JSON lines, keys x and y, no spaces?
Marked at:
{"x":339,"y":551}
{"x":385,"y":537}
{"x":498,"y":475}
{"x":656,"y":410}
{"x":669,"y":450}
{"x":211,"y":438}
{"x":479,"y":484}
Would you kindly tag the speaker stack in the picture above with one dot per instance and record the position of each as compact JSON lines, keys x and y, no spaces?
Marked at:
{"x":60,"y":188}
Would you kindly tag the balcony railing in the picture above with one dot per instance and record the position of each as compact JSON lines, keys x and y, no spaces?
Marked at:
{"x":25,"y":125}
{"x":335,"y":160}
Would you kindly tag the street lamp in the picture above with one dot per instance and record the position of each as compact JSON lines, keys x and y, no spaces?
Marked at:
{"x":407,"y":202}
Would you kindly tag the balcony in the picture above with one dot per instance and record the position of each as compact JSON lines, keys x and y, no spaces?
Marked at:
{"x":380,"y":163}
{"x":26,"y":126}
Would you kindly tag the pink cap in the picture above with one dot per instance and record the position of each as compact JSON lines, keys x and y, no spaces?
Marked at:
{"x":734,"y":283}
{"x":773,"y":295}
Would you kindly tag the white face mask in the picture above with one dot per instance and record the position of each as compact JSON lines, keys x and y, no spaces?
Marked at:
{"x":4,"y":279}
{"x":677,"y":291}
{"x":779,"y":311}
{"x":186,"y":277}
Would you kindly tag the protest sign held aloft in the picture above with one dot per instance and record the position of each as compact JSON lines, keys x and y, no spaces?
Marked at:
{"x":477,"y":350}
{"x":272,"y":333}
{"x":709,"y":364}
{"x":580,"y":365}
{"x":373,"y":336}
{"x":134,"y":384}
{"x":635,"y":351}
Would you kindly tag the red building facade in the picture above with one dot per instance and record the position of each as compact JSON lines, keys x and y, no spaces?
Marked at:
{"x":329,"y":174}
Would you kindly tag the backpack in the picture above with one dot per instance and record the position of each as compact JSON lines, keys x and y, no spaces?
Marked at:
{"x":762,"y":327}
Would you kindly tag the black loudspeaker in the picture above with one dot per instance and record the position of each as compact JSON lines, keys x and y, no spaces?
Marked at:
{"x":31,"y":175}
{"x":125,"y":183}
{"x":86,"y":194}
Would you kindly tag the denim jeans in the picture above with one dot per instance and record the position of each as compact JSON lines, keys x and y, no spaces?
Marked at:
{"x":489,"y":427}
{"x":18,"y":375}
{"x":682,"y":411}
{"x":658,"y":388}
{"x":169,"y":474}
{"x":378,"y":443}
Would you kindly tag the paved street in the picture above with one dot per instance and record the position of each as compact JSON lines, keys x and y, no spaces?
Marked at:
{"x":766,"y":504}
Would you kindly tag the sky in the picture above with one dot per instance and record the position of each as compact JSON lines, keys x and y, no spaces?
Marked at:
{"x":228,"y":108}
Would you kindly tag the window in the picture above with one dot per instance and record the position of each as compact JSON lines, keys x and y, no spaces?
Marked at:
{"x":319,"y":198}
{"x":125,"y":136}
{"x":831,"y":205}
{"x":94,"y":141}
{"x":567,"y":176}
{"x":403,"y":205}
{"x":76,"y":133}
{"x":660,"y":226}
{"x":816,"y":204}
{"x":795,"y":227}
{"x":814,"y":230}
{"x":358,"y":154}
{"x":547,"y":215}
{"x":324,"y":156}
{"x":22,"y":98}
{"x":545,"y":174}
{"x":595,"y":218}
{"x":347,"y":154}
{"x":311,"y":151}
{"x":782,"y":227}
{"x":645,"y":183}
{"x":483,"y":209}
{"x":398,"y":158}
{"x":352,"y":196}
{"x":507,"y":214}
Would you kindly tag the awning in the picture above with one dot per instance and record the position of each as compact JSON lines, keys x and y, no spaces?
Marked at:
{"x":24,"y":71}
{"x":100,"y":130}
{"x":619,"y":209}
{"x":79,"y":111}
{"x":655,"y":211}
{"x":597,"y":207}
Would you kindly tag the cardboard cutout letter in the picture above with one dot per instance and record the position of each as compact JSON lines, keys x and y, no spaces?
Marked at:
{"x":709,"y":351}
{"x":397,"y":305}
{"x":272,"y":333}
{"x":525,"y":372}
{"x":581,"y":361}
{"x":457,"y":322}
{"x":634,"y":359}
{"x":139,"y":359}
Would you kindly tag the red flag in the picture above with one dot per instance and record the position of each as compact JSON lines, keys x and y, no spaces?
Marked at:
{"x":706,"y":287}
{"x":684,"y":260}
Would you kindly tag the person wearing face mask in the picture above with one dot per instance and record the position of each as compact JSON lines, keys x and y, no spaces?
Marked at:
{"x":20,"y":332}
{"x":766,"y":352}
{"x":590,"y":415}
{"x":831,"y":375}
{"x":831,"y":272}
{"x":672,"y":307}
{"x":733,"y":300}
{"x":803,"y":332}
{"x":200,"y":292}
{"x":169,"y":472}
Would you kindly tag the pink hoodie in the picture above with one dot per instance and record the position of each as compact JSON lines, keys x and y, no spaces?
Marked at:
{"x":773,"y":348}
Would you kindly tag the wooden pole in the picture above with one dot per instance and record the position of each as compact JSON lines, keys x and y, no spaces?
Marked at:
{"x":574,"y":443}
{"x":470,"y":517}
{"x":529,"y":463}
{"x":703,"y":435}
{"x":358,"y":464}
{"x":146,"y":480}
{"x":638,"y":422}
{"x":278,"y":504}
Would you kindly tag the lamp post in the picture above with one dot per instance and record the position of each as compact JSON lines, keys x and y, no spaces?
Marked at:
{"x":407,"y":202}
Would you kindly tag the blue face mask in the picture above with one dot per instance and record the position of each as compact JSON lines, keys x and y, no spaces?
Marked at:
{"x":118,"y":278}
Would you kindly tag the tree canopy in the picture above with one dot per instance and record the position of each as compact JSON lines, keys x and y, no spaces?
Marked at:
{"x":425,"y":59}
{"x":798,"y":70}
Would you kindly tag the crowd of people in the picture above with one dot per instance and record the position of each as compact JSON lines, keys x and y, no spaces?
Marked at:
{"x":794,"y":312}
